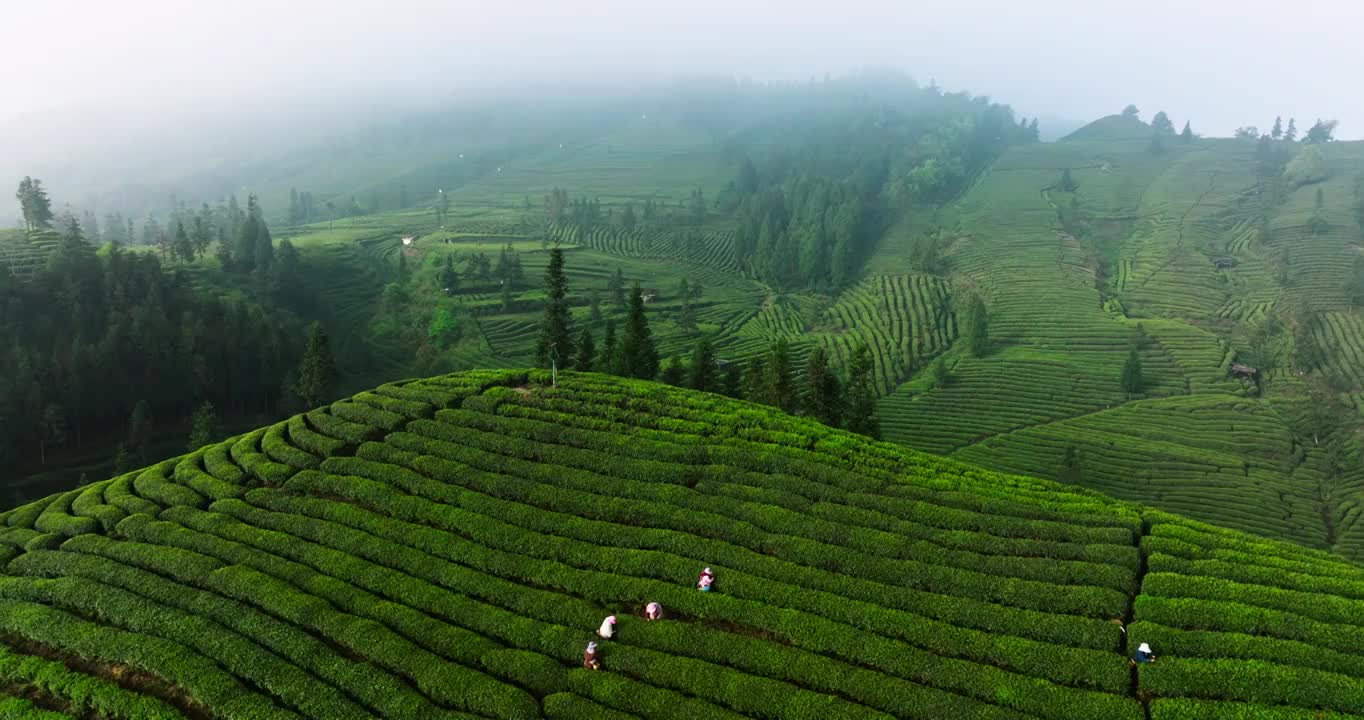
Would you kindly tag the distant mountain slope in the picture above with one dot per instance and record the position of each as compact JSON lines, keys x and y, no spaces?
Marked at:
{"x":449,"y":546}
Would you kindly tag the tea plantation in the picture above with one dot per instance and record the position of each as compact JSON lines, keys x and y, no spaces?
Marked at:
{"x":446,"y":548}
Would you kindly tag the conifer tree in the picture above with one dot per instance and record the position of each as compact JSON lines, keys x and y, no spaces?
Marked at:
{"x":1277,"y":132}
{"x":755,"y":381}
{"x":731,"y":382}
{"x":781,"y":384}
{"x":448,"y":278}
{"x":639,"y":357}
{"x":1072,"y":466}
{"x":203,"y":427}
{"x":1186,"y":134}
{"x":674,"y":373}
{"x":824,"y":398}
{"x":610,"y":352}
{"x":317,"y":374}
{"x":978,"y":327}
{"x":616,"y":285}
{"x":140,"y":430}
{"x":556,"y":328}
{"x":1067,"y":181}
{"x":703,"y":372}
{"x":587,"y":352}
{"x":861,"y":395}
{"x":1132,"y":381}
{"x":1291,"y":134}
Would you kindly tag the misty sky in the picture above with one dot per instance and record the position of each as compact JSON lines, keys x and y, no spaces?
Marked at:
{"x":1219,"y":63}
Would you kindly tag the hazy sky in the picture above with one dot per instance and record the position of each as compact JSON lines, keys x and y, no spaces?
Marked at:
{"x":1219,"y":63}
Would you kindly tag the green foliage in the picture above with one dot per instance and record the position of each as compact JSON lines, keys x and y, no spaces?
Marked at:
{"x":317,"y":374}
{"x":861,"y":395}
{"x":1132,"y":380}
{"x":638,"y":357}
{"x":555,"y":343}
{"x":977,"y":326}
{"x":204,"y":428}
{"x":824,"y":394}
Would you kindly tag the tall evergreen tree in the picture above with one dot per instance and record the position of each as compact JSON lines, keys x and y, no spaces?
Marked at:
{"x":824,"y":395}
{"x":1132,"y":381}
{"x":861,"y":395}
{"x":1067,"y":181}
{"x":1291,"y":134}
{"x":616,"y":286}
{"x":248,"y":233}
{"x":1187,"y":133}
{"x":674,"y":373}
{"x":555,"y":344}
{"x":781,"y":383}
{"x":639,"y":357}
{"x":203,"y":427}
{"x":183,"y":246}
{"x":755,"y":381}
{"x":34,"y":204}
{"x":978,"y":327}
{"x":610,"y":352}
{"x":703,"y":373}
{"x":1354,"y":287}
{"x":317,"y":374}
{"x":1072,"y":466}
{"x":587,"y":352}
{"x":448,"y":278}
{"x":1277,"y":132}
{"x":731,"y":382}
{"x":140,"y":430}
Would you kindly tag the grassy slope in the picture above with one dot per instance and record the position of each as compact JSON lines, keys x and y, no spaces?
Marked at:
{"x":449,"y":545}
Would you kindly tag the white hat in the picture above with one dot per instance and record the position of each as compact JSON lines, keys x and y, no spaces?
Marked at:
{"x":591,"y":646}
{"x":611,"y":619}
{"x":707,"y":571}
{"x":1144,"y":648}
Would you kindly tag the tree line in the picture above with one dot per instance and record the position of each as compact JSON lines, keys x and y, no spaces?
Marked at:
{"x":773,"y":380}
{"x":811,"y":206}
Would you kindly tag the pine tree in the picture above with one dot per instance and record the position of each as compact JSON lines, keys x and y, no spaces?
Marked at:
{"x":781,"y":384}
{"x":1187,"y":133}
{"x":703,"y":373}
{"x":978,"y":327}
{"x":824,"y":398}
{"x":1072,"y":466}
{"x":731,"y":383}
{"x":639,"y":357}
{"x":203,"y":427}
{"x":616,"y":286}
{"x":594,"y":314}
{"x":448,"y":278}
{"x":140,"y":430}
{"x":244,"y":255}
{"x":1132,"y":382}
{"x":587,"y":352}
{"x":674,"y":373}
{"x":317,"y":374}
{"x":34,"y":204}
{"x":755,"y":381}
{"x":1354,"y":287}
{"x":1278,"y":128}
{"x":1291,"y":134}
{"x":861,"y":395}
{"x":184,"y":248}
{"x":938,"y":373}
{"x":1067,"y":181}
{"x":610,"y":353}
{"x":555,"y":345}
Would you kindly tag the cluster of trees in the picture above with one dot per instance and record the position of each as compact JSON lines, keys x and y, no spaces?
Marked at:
{"x":811,"y":205}
{"x":771,"y":380}
{"x":93,"y":335}
{"x":633,"y":354}
{"x":302,"y":207}
{"x":1322,"y":131}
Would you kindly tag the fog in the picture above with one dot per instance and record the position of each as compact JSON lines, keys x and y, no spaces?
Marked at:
{"x":87,"y":77}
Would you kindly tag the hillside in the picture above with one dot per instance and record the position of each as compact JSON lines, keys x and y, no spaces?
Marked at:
{"x":446,"y":548}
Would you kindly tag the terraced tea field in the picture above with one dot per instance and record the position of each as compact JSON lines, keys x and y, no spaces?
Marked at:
{"x":445,"y":548}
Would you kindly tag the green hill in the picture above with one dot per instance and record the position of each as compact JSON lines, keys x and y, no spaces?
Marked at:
{"x":447,"y":547}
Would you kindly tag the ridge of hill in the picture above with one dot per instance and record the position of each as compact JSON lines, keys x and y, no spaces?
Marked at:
{"x":446,"y":547}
